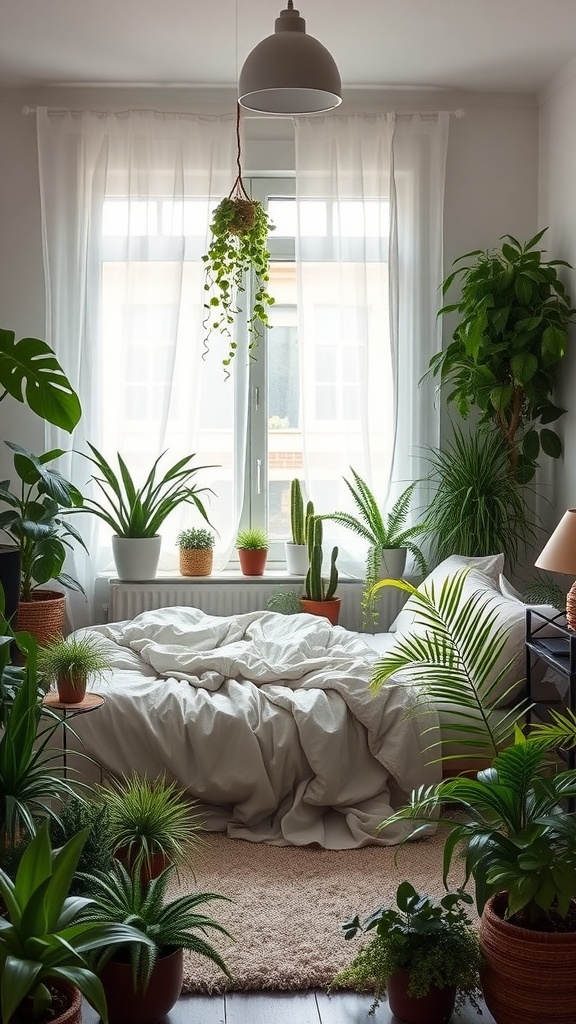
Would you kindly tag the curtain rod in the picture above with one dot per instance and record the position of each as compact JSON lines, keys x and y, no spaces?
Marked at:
{"x":459,"y":112}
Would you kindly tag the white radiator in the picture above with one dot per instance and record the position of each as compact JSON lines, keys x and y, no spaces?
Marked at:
{"x":233,"y":595}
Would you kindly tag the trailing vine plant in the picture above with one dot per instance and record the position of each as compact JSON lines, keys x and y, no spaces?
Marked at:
{"x":240,"y":228}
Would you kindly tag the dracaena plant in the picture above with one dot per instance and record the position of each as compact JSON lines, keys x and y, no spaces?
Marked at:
{"x":514,"y":834}
{"x":42,"y":938}
{"x":514,"y":319}
{"x":132,"y":511}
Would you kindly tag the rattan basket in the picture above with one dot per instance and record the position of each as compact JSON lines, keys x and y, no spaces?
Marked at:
{"x":43,"y":615}
{"x":196,"y":561}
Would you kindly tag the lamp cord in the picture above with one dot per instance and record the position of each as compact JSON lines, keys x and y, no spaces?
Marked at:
{"x":238,"y":186}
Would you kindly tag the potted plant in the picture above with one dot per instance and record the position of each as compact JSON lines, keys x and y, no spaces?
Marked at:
{"x":389,"y":538}
{"x":252,"y":546}
{"x":196,"y":546}
{"x":68,"y":661}
{"x":514,"y":319}
{"x":297,"y":548}
{"x":478,"y":507}
{"x":31,"y":374}
{"x":517,"y":841}
{"x":319,"y":597}
{"x":34,"y":521}
{"x":238,"y":248}
{"x":135,"y":514}
{"x":285,"y":601}
{"x":43,"y":941}
{"x":150,"y":823}
{"x":90,"y":815}
{"x":424,"y":954}
{"x":142,"y":983}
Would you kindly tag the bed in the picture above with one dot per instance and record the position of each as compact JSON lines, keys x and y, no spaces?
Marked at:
{"x":268,"y":721}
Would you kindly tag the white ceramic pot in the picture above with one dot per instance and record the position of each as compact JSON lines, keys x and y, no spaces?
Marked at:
{"x":393,"y":563}
{"x":296,"y":558}
{"x":136,"y":558}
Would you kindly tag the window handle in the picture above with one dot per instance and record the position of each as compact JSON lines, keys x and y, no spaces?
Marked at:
{"x":256,"y":399}
{"x":258,"y":476}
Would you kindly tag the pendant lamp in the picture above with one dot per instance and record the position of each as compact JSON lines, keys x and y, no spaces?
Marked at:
{"x":289,"y":72}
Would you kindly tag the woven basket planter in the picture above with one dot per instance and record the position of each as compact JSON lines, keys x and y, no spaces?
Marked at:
{"x":529,"y":977}
{"x":43,"y":615}
{"x":196,"y":561}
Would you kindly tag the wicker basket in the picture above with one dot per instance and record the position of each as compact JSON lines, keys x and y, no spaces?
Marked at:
{"x":196,"y":561}
{"x":529,"y":976}
{"x":43,"y":615}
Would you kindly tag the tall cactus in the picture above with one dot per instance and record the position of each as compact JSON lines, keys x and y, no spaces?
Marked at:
{"x":297,"y":513}
{"x":314,"y":586}
{"x":333,"y":579}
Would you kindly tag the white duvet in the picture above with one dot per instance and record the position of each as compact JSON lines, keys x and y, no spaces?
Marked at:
{"x":266,"y":719}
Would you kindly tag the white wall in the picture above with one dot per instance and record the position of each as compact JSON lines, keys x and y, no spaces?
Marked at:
{"x":491,"y":185}
{"x":557,"y":208}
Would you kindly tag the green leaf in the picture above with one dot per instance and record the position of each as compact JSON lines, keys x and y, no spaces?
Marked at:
{"x":524,"y":365}
{"x":554,"y":342}
{"x":551,"y":443}
{"x":531,"y":445}
{"x":30,"y":372}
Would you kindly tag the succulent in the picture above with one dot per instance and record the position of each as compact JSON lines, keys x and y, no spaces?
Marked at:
{"x":252,"y":539}
{"x":195,"y":538}
{"x":314,"y":587}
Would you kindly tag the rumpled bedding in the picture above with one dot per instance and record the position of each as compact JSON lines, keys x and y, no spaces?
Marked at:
{"x":266,"y":719}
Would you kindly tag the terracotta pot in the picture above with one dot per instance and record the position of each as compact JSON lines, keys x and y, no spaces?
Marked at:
{"x":529,"y":977}
{"x":150,"y":867}
{"x":196,"y":561}
{"x":43,"y":615}
{"x":125,"y":1006}
{"x":329,"y":609}
{"x":71,"y":687}
{"x":436,"y":1007}
{"x":252,"y":560}
{"x":71,"y":1015}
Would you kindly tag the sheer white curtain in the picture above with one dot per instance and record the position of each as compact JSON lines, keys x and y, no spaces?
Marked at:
{"x":126,"y":206}
{"x":368,"y":280}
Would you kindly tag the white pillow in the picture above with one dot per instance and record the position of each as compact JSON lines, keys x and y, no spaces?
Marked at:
{"x":485,"y":573}
{"x":547,"y":610}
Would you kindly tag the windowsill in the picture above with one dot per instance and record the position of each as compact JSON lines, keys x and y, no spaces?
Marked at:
{"x":226,"y":576}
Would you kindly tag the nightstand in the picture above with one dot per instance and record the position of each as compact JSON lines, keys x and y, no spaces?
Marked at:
{"x":552,"y":642}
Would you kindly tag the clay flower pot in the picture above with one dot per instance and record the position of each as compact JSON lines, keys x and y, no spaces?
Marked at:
{"x":125,"y":1006}
{"x":328,"y":609}
{"x":71,"y":687}
{"x":253,"y":560}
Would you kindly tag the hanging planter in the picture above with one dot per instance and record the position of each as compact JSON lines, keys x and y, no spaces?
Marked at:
{"x":240,"y":228}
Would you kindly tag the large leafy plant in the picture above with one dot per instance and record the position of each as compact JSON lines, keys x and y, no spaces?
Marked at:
{"x":433,"y":940}
{"x":30,"y":373}
{"x":132,"y":511}
{"x":35,"y":522}
{"x":42,"y":938}
{"x":512,"y":333}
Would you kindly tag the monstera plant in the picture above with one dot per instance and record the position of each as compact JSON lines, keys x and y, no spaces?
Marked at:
{"x":30,"y":373}
{"x":512,"y":333}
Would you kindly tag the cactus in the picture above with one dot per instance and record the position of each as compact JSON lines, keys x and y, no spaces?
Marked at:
{"x":297,"y":513}
{"x":314,"y":589}
{"x":333,"y":579}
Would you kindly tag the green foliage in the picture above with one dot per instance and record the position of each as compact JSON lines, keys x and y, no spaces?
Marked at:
{"x":41,"y":935}
{"x":297,"y":513}
{"x":315,"y":587}
{"x":456,"y":660}
{"x":432,"y":940}
{"x":381,"y":531}
{"x":31,"y":773}
{"x":91,"y":817}
{"x":252,"y":539}
{"x":515,"y":835}
{"x":478,"y":508}
{"x":30,"y":372}
{"x":195,"y":538}
{"x":287,"y":602}
{"x":73,"y":655}
{"x":119,"y":897}
{"x":542,"y":589}
{"x":149,"y":816}
{"x":132,"y":511}
{"x":512,"y":334}
{"x":240,"y":228}
{"x":34,"y":521}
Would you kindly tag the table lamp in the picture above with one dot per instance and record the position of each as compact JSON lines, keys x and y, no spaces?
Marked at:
{"x":559,"y":555}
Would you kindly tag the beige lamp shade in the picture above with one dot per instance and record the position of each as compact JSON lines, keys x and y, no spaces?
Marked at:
{"x":289,"y":72}
{"x":559,"y":555}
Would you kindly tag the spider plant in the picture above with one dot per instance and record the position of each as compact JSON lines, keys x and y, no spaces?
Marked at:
{"x":479,"y":507}
{"x":120,"y":897}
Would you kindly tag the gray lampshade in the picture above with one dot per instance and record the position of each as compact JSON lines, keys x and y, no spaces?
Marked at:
{"x":289,"y":72}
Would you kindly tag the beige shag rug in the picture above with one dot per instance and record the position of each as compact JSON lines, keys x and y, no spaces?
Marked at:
{"x":288,"y":905}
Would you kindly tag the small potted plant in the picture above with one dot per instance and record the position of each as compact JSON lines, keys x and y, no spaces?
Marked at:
{"x":143,"y":982}
{"x":297,"y":549}
{"x":68,"y":661}
{"x":285,"y":602}
{"x":196,"y":547}
{"x":424,"y":954}
{"x":151,"y":823}
{"x":319,"y":596}
{"x":44,"y":938}
{"x":136,"y":514}
{"x":252,"y":546}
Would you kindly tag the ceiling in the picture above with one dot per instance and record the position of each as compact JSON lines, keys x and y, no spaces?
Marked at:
{"x":480,"y":45}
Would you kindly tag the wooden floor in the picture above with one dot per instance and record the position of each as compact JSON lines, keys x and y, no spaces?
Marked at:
{"x":284,"y":1008}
